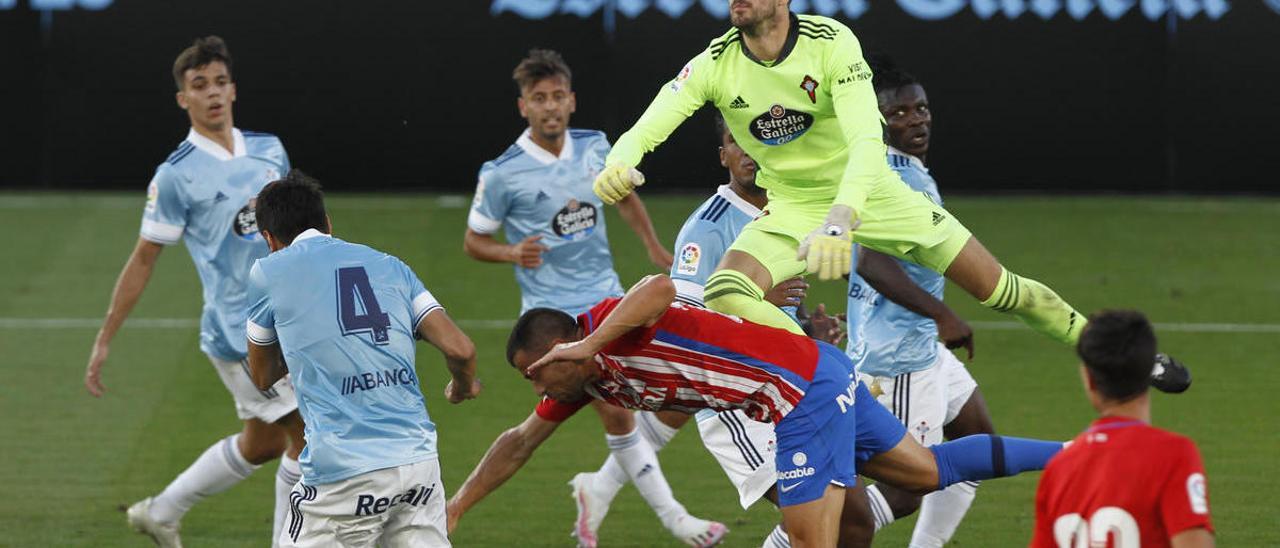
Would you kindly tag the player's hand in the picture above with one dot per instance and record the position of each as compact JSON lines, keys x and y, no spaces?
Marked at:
{"x":955,"y":333}
{"x":93,"y":373}
{"x":661,"y":258}
{"x":788,"y":293}
{"x":827,"y":251}
{"x":528,"y":253}
{"x":456,"y":395}
{"x":825,"y":328}
{"x":564,"y":352}
{"x":616,"y":182}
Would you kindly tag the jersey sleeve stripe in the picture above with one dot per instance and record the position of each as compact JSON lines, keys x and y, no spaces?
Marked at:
{"x":689,"y":292}
{"x":160,"y":233}
{"x":424,"y":303}
{"x":481,"y":224}
{"x":261,"y":336}
{"x":178,"y":157}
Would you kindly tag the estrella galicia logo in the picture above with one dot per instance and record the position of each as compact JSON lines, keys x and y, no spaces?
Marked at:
{"x":575,"y":221}
{"x":245,"y":225}
{"x":780,"y":125}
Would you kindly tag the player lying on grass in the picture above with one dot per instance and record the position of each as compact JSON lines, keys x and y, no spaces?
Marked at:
{"x":539,"y":192}
{"x":1122,"y":483}
{"x":341,"y":319}
{"x":645,"y":351}
{"x":203,"y":195}
{"x":798,"y":97}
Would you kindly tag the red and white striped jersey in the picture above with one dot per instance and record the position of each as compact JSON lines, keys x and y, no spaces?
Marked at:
{"x":694,"y":358}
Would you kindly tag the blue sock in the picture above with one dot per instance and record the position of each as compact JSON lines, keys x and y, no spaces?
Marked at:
{"x":984,"y":456}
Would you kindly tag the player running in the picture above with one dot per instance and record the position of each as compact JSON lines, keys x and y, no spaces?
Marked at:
{"x":204,"y":194}
{"x":540,"y":190}
{"x":901,"y":331}
{"x":648,"y":352}
{"x":1122,"y":483}
{"x":369,"y":471}
{"x":798,"y":98}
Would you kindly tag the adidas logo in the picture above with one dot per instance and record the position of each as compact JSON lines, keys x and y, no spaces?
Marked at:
{"x":220,"y":197}
{"x":938,"y":218}
{"x":541,"y":196}
{"x":738,"y":102}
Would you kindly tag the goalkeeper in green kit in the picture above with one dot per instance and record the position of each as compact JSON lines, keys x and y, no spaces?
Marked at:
{"x":796,"y":94}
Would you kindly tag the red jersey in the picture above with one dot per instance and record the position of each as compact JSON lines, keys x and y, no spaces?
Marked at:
{"x":1121,"y":484}
{"x":693,"y":359}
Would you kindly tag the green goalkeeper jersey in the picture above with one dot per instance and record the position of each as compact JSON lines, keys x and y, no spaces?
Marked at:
{"x":809,"y":118}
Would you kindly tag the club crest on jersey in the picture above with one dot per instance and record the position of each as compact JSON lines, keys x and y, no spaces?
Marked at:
{"x":153,"y":195}
{"x":575,"y":221}
{"x":780,"y":125}
{"x":810,"y":86}
{"x":245,"y":225}
{"x":690,"y":254}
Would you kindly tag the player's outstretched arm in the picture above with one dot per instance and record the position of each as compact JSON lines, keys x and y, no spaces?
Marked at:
{"x":637,"y":217}
{"x":129,"y":286}
{"x":858,"y":112}
{"x":459,"y":354}
{"x":266,"y":364}
{"x":888,"y":278}
{"x":503,"y":459}
{"x":484,"y":247}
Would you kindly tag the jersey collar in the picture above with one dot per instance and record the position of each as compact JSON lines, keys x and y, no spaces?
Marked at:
{"x":914,"y":160}
{"x":542,"y":155}
{"x":214,"y":149}
{"x":732,"y":197}
{"x":793,"y":34}
{"x":308,"y":234}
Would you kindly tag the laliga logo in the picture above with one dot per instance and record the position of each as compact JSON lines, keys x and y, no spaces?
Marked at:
{"x":929,"y":10}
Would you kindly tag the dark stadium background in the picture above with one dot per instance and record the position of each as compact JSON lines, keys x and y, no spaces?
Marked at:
{"x":414,"y":95}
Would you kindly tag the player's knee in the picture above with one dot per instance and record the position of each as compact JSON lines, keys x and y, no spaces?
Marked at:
{"x":262,"y":449}
{"x":904,"y":504}
{"x":616,"y":420}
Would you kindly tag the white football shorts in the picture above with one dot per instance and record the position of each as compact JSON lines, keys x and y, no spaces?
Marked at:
{"x":394,"y":507}
{"x":266,"y":405}
{"x":928,"y":399}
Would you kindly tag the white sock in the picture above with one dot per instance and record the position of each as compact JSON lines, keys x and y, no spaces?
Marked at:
{"x":217,"y":469}
{"x":940,"y":514}
{"x":880,"y":509}
{"x":638,"y":458}
{"x":777,"y":538}
{"x":653,"y":430}
{"x":611,"y":477}
{"x":287,"y":475}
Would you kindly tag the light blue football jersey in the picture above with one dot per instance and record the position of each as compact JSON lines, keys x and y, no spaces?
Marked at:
{"x":204,"y":196}
{"x":345,"y":316}
{"x":533,"y":192}
{"x":704,"y":239}
{"x":886,"y":339}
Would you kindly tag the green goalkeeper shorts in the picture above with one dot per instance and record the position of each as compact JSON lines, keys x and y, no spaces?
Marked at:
{"x":895,"y":220}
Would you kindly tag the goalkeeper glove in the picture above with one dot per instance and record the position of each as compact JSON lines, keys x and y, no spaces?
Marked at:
{"x":616,"y":182}
{"x":828,"y":249}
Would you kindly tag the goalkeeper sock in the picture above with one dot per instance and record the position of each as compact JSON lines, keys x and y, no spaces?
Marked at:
{"x":984,"y":456}
{"x":732,"y":292}
{"x":1037,"y":306}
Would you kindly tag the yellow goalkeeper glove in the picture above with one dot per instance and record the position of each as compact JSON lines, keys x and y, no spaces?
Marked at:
{"x":616,"y":182}
{"x":828,"y":249}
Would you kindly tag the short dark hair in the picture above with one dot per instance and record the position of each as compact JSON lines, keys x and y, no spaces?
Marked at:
{"x":885,"y":73}
{"x":722,"y":128}
{"x":290,"y":206}
{"x":538,"y":65}
{"x":537,"y":328}
{"x":202,"y":52}
{"x":1118,"y":348}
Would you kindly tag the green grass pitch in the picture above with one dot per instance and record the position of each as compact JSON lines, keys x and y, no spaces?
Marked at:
{"x":69,"y":462}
